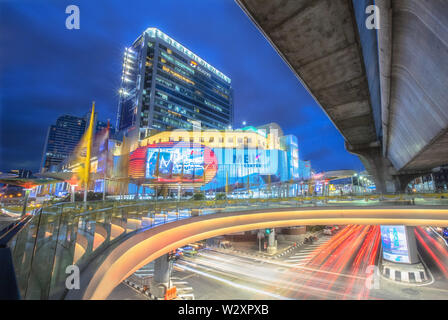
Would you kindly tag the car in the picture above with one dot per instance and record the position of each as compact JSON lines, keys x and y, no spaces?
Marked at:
{"x":179,"y":253}
{"x":198,"y":245}
{"x":189,"y":251}
{"x":330,"y":230}
{"x":225,"y":244}
{"x":445,"y":233}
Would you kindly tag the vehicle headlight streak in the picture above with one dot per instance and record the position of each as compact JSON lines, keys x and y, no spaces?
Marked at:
{"x":236,"y":285}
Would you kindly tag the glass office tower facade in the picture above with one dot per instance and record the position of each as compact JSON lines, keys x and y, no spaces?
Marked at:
{"x":62,"y":139}
{"x":165,"y":86}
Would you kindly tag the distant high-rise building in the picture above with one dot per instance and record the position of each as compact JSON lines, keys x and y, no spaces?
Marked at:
{"x":63,"y":137}
{"x":165,"y":86}
{"x":305,"y":169}
{"x":22,"y":173}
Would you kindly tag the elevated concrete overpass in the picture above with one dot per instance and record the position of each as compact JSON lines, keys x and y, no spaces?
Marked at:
{"x":334,"y":175}
{"x":384,"y":90}
{"x":121,"y":259}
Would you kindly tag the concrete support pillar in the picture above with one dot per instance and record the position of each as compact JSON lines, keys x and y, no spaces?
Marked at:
{"x":381,"y":169}
{"x":85,"y":192}
{"x":161,"y":280}
{"x":272,"y":244}
{"x":104,"y":189}
{"x":387,"y":179}
{"x":72,"y":199}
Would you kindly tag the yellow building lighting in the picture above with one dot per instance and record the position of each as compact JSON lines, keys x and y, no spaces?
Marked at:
{"x":177,"y":75}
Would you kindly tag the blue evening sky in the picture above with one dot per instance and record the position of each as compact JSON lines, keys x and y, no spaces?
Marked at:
{"x":47,"y":71}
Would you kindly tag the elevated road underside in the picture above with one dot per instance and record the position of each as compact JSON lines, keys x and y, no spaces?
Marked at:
{"x":384,"y":90}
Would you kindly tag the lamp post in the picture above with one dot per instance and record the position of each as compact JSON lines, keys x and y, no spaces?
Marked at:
{"x":104,"y":189}
{"x":351,"y":189}
{"x":73,"y":186}
{"x":353,"y":184}
{"x":25,"y":200}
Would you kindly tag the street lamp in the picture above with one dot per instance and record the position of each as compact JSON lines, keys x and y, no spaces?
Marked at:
{"x":73,"y":186}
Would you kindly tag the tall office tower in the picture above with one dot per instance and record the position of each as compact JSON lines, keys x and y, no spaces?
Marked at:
{"x":61,"y":140}
{"x":63,"y":137}
{"x":165,"y":86}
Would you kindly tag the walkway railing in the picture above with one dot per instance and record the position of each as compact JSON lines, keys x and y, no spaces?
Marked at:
{"x":74,"y":233}
{"x":8,"y":288}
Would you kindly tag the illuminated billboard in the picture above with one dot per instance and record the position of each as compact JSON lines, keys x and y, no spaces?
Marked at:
{"x":395,"y":244}
{"x":173,"y":162}
{"x":213,"y":168}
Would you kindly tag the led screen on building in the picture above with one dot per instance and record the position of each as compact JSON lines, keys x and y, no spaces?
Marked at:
{"x":171,"y":164}
{"x":174,"y":162}
{"x":395,"y":244}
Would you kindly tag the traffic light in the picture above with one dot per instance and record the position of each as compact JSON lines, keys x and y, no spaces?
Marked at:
{"x":268,"y":231}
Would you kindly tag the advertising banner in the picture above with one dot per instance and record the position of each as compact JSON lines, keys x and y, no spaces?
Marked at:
{"x":395,"y":244}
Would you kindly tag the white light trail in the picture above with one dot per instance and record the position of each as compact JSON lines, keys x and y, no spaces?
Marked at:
{"x":236,"y":285}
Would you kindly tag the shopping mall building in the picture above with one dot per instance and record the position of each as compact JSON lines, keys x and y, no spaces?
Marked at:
{"x":242,"y":161}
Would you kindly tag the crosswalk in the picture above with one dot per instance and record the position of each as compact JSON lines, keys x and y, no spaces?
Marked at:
{"x":184,"y":291}
{"x":304,"y":255}
{"x":145,"y":271}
